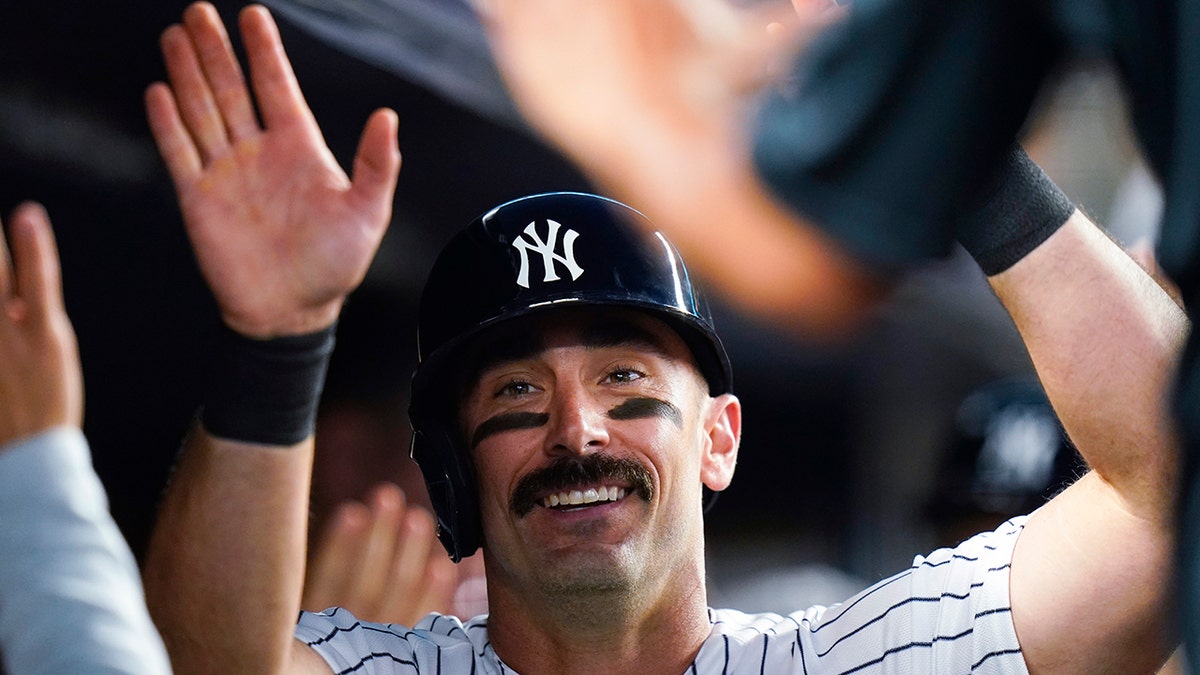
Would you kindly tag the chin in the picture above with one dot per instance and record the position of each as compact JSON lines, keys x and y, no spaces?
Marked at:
{"x":587,"y":574}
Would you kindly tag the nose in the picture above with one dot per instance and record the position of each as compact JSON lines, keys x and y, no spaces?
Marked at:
{"x":578,"y":424}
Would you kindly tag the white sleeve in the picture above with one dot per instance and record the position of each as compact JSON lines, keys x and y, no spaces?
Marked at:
{"x":949,"y":612}
{"x":71,"y":600}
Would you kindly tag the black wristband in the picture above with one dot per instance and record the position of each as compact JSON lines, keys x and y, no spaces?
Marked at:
{"x":1020,"y":211}
{"x":267,"y":391}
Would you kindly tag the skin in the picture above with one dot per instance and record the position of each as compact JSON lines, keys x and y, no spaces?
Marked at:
{"x":41,"y":384}
{"x":621,"y":582}
{"x":1108,"y":540}
{"x":381,"y":561}
{"x":676,"y":86}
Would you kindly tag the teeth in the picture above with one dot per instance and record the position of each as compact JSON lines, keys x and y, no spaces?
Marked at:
{"x":588,"y":496}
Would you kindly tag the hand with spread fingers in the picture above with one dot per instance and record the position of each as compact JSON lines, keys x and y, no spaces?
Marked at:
{"x":281,"y":233}
{"x":652,"y":100}
{"x":381,"y":561}
{"x":672,"y":83}
{"x":41,"y":384}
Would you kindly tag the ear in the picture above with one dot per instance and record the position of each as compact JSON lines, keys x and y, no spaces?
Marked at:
{"x":724,"y":429}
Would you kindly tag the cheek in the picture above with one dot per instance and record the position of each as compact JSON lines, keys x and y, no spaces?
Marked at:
{"x":499,"y":463}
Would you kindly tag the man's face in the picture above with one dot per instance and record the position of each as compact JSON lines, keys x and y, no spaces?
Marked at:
{"x":591,"y":434}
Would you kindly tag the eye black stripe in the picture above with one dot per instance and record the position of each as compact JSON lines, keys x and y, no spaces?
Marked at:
{"x":644,"y":406}
{"x":508,"y":422}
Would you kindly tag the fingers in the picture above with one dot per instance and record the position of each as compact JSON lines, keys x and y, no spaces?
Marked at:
{"x":208,"y":106}
{"x":35,"y":257}
{"x":377,"y":161}
{"x":408,"y":596}
{"x":171,"y":135}
{"x":330,"y":575}
{"x":194,"y":99}
{"x":381,"y":562}
{"x":439,"y":584}
{"x":275,"y":86}
{"x":224,"y":75}
{"x":375,"y":564}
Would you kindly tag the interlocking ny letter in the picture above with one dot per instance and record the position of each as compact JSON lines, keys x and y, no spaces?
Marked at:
{"x":547,"y":249}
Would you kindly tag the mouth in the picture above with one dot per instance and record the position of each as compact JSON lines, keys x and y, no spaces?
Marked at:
{"x":577,"y":483}
{"x":568,"y":499}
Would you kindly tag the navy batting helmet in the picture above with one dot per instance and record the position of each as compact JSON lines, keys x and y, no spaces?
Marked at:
{"x":558,"y":250}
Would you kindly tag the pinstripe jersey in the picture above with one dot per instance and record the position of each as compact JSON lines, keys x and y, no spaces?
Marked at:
{"x":948,"y":613}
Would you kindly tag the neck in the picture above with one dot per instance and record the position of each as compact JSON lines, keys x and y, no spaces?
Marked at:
{"x":602,"y":633}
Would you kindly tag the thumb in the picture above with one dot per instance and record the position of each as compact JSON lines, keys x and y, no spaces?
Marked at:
{"x":38,"y":277}
{"x":377,"y":162}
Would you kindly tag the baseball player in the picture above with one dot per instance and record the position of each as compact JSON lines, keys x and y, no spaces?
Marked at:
{"x":572,"y":411}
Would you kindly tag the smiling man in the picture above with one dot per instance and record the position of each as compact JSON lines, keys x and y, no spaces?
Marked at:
{"x":572,"y":409}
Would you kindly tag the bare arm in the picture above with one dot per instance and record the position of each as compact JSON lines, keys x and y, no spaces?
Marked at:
{"x":1091,"y":574}
{"x":282,"y":235}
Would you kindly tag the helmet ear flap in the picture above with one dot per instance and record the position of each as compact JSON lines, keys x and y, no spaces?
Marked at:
{"x":450,"y":479}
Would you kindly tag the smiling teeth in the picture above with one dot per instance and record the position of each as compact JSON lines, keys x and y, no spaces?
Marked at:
{"x":588,"y":496}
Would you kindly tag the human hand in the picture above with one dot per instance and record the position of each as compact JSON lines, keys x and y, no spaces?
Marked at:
{"x":663,"y":77}
{"x":381,"y":561}
{"x":280,"y":232}
{"x":41,"y":384}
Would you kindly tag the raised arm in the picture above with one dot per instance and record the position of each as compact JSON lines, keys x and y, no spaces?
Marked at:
{"x":1092,"y":571}
{"x":70,"y":597}
{"x":282,"y":235}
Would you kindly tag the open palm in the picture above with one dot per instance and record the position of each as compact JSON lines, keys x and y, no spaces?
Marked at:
{"x":280,"y":232}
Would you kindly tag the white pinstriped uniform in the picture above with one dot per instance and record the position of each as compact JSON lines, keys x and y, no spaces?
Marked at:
{"x":947,"y":614}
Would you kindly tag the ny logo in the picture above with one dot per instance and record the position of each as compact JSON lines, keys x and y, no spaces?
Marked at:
{"x":549,"y":255}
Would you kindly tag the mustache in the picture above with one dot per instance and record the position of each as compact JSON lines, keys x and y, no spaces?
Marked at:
{"x":569,"y":472}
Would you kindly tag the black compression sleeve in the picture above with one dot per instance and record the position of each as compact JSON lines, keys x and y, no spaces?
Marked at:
{"x":1020,"y":211}
{"x":267,"y":391}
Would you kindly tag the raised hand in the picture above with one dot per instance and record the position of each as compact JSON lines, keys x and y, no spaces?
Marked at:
{"x":615,"y":84}
{"x":41,"y":385}
{"x":280,"y":232}
{"x":381,"y":561}
{"x":651,"y":98}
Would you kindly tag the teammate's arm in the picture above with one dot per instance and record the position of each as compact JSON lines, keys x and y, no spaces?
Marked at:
{"x":1091,"y":574}
{"x":281,"y":235}
{"x":70,"y":597}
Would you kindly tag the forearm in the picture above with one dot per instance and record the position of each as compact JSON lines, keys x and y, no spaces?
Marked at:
{"x":225,"y":567}
{"x":1104,"y":338}
{"x":761,"y":256}
{"x":70,"y":597}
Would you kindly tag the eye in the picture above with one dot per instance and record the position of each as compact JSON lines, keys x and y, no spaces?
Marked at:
{"x":623,"y":375}
{"x":514,"y":389}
